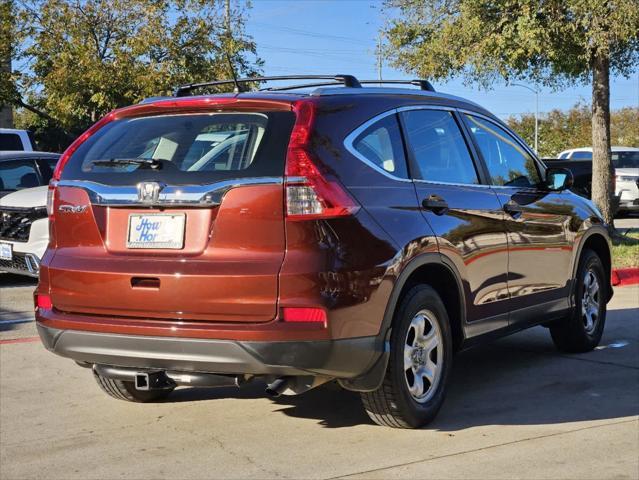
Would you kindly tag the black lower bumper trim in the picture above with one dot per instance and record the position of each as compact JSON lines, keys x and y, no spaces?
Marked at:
{"x":343,"y":358}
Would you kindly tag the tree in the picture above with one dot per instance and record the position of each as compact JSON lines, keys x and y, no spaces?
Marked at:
{"x":554,"y":43}
{"x":561,"y":130}
{"x":7,"y":25}
{"x":86,"y":57}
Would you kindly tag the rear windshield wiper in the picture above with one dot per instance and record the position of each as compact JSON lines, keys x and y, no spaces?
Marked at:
{"x":154,"y":163}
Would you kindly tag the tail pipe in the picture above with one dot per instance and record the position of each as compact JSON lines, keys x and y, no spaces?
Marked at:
{"x":276,"y":388}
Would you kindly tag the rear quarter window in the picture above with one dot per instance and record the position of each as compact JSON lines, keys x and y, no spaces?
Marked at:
{"x":381,"y":145}
{"x":184,"y":149}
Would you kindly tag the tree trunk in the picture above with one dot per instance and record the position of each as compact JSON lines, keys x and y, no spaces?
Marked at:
{"x":6,"y":33}
{"x":602,"y":171}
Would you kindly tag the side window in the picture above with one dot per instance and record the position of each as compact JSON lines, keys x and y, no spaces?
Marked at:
{"x":581,"y":156}
{"x":438,"y":147}
{"x":507,"y":162}
{"x":11,"y":142}
{"x":381,"y":144}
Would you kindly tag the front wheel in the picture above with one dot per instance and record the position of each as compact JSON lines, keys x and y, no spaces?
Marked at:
{"x":582,"y":330}
{"x":420,"y":361}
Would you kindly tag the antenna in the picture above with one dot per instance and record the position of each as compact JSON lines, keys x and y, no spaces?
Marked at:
{"x":236,"y":88}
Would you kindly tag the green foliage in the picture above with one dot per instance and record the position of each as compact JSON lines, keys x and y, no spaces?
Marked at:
{"x":79,"y":59}
{"x":551,"y":42}
{"x":7,"y":40}
{"x":560,"y":130}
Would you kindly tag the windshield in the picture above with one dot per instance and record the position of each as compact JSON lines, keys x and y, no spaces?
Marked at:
{"x":183,"y":149}
{"x":18,"y":174}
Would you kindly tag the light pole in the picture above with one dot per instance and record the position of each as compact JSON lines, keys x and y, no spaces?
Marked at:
{"x":536,"y":92}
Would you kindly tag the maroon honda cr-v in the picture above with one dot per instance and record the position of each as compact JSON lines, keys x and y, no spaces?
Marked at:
{"x":304,"y":235}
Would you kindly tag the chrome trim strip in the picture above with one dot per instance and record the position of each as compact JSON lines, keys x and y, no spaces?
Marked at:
{"x":170,"y":196}
{"x":425,"y":107}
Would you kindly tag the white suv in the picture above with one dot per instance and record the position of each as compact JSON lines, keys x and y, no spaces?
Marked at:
{"x":625,"y":160}
{"x":24,"y":226}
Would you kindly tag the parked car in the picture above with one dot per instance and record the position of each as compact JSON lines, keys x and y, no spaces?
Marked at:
{"x":625,"y":161}
{"x":24,"y":230}
{"x":338,"y":232}
{"x":15,"y":140}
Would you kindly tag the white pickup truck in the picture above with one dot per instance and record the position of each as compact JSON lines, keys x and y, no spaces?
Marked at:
{"x":15,"y":140}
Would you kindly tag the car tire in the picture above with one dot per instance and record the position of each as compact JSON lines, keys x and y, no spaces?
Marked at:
{"x":123,"y":390}
{"x":581,"y":331}
{"x":414,"y":350}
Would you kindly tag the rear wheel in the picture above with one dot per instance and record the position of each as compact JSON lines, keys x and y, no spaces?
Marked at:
{"x":582,"y":330}
{"x":123,"y":390}
{"x":420,"y":359}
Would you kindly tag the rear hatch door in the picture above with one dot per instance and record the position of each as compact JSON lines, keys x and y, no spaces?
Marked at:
{"x":174,"y":214}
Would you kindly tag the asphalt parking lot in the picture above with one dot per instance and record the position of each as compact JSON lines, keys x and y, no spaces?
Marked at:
{"x":517,"y":409}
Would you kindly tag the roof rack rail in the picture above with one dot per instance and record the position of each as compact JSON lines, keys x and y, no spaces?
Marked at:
{"x":345,"y":80}
{"x":422,"y":84}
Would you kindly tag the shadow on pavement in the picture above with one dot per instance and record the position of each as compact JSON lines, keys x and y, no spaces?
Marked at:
{"x":520,"y":380}
{"x":9,"y":280}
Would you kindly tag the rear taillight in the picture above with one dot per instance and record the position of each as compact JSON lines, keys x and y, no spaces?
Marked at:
{"x":309,"y":194}
{"x":50,"y":198}
{"x":43,"y":301}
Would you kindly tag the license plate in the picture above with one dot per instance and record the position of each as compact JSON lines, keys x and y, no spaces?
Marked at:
{"x":6,"y":251}
{"x":157,"y":230}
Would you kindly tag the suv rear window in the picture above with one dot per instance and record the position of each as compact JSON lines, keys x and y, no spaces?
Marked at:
{"x":184,"y":149}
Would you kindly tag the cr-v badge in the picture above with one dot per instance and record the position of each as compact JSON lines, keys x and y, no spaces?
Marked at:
{"x":72,"y":208}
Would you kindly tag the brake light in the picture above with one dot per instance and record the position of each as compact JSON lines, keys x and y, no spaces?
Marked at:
{"x":43,"y":301}
{"x":303,"y":314}
{"x":309,"y":194}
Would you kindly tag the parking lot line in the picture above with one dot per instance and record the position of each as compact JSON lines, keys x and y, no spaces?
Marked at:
{"x":20,"y":340}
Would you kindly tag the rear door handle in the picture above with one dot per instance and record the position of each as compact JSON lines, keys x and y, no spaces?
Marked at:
{"x":435,"y":204}
{"x":513,"y":209}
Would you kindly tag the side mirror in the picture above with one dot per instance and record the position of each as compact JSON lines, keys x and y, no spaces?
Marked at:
{"x":558,"y":179}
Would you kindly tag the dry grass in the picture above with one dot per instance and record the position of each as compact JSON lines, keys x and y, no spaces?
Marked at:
{"x":625,"y":250}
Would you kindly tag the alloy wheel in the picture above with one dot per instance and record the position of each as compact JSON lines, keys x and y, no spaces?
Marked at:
{"x":423,"y":356}
{"x":590,"y":301}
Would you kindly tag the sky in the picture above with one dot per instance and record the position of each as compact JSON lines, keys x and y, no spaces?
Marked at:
{"x":340,"y":37}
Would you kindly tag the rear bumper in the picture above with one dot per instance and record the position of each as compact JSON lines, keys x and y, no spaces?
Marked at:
{"x":343,"y":358}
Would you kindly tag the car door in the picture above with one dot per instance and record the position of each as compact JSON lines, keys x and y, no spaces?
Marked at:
{"x":465,"y":214}
{"x":537,"y":221}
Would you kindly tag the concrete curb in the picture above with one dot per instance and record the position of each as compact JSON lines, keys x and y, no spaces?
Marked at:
{"x":625,"y":276}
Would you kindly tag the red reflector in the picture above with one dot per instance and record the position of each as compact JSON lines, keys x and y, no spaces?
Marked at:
{"x":44,"y":302}
{"x":315,"y":315}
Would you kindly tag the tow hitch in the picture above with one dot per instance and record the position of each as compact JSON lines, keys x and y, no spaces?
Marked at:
{"x":153,"y":381}
{"x":146,"y":380}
